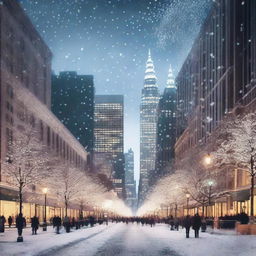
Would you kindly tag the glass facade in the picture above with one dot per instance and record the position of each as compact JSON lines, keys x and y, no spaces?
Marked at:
{"x":109,"y":134}
{"x":148,"y":127}
{"x":166,"y":130}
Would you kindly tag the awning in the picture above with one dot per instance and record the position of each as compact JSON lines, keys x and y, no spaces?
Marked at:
{"x":241,"y":196}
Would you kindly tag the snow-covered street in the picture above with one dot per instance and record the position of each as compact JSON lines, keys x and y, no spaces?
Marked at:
{"x":121,"y":239}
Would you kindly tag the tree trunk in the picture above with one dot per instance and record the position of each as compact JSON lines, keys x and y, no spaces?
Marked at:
{"x":203,"y":210}
{"x":252,"y":186}
{"x":20,"y":198}
{"x":252,"y":195}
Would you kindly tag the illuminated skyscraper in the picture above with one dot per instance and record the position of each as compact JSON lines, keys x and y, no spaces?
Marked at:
{"x":166,"y":129}
{"x":148,"y":125}
{"x":109,"y":135}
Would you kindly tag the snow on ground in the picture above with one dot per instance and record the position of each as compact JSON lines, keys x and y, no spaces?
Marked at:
{"x":43,"y":241}
{"x":127,"y":240}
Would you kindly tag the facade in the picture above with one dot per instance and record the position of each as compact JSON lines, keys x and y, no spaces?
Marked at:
{"x":166,"y":129}
{"x":73,"y":104}
{"x":218,"y":75}
{"x":109,"y":135}
{"x":148,"y":127}
{"x":25,"y":98}
{"x":130,"y":183}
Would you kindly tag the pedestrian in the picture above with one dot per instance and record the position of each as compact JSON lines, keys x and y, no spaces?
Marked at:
{"x":172,"y":222}
{"x":66,"y":223}
{"x":204,"y":225}
{"x":244,"y":219}
{"x":20,"y":223}
{"x":2,"y":223}
{"x":34,"y":225}
{"x":73,"y":222}
{"x":58,"y":224}
{"x":176,"y":223}
{"x":54,"y":221}
{"x":10,"y":221}
{"x":196,"y":224}
{"x":187,"y":225}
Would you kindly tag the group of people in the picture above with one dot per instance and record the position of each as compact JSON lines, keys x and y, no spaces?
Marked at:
{"x":195,"y":222}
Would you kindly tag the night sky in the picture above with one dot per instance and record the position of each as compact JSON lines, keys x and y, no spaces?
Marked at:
{"x":110,"y":40}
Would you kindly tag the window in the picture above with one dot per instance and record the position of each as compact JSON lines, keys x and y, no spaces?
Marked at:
{"x":41,"y":131}
{"x":9,"y":91}
{"x":48,"y":136}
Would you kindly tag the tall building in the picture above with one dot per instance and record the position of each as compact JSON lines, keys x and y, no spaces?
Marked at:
{"x":148,"y":125}
{"x":109,"y":135}
{"x":219,"y":72}
{"x":166,"y":129}
{"x":130,"y":183}
{"x":73,"y":104}
{"x":218,"y":77}
{"x":25,"y":100}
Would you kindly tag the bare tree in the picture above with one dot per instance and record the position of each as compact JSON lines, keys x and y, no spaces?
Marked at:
{"x":237,"y":147}
{"x":68,"y":183}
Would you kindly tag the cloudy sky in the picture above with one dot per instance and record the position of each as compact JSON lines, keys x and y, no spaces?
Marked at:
{"x":110,"y":40}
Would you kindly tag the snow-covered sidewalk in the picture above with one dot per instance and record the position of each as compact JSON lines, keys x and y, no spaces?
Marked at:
{"x":127,"y":240}
{"x":44,"y":241}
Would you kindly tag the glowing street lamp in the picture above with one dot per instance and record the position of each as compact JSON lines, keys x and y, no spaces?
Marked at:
{"x":45,"y":190}
{"x":208,"y":159}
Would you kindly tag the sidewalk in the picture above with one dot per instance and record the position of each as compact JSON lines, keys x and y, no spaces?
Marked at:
{"x":44,"y":240}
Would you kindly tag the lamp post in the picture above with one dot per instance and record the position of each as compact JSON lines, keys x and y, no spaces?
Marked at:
{"x":210,"y":183}
{"x":187,"y":196}
{"x":45,"y":190}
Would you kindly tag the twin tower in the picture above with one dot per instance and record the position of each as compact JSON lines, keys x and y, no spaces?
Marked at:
{"x":148,"y":125}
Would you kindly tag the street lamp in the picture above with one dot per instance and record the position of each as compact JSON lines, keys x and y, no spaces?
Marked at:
{"x":187,"y":196}
{"x":210,"y":183}
{"x":45,"y":190}
{"x":208,"y":159}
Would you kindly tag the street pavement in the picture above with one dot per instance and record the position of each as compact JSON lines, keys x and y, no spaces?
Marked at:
{"x":126,"y":240}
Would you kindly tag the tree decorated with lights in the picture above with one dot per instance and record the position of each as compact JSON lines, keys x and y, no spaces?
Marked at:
{"x":26,"y":160}
{"x":237,"y":147}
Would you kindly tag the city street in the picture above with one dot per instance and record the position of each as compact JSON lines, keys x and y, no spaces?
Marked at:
{"x":132,"y":239}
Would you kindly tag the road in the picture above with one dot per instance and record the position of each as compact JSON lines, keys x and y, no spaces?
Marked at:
{"x":126,"y":240}
{"x":118,"y":240}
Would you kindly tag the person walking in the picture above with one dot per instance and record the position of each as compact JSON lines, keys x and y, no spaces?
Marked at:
{"x":58,"y":224}
{"x":196,"y":224}
{"x":2,"y":223}
{"x":66,"y":223}
{"x":171,"y":222}
{"x":203,"y":225}
{"x":34,"y":225}
{"x":176,"y":223}
{"x":187,"y":225}
{"x":20,"y":223}
{"x":10,"y":221}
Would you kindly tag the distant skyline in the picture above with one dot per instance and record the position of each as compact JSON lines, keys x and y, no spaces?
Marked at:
{"x":109,"y":39}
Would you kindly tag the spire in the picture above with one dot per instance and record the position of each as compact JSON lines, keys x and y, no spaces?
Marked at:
{"x":149,"y":54}
{"x":170,"y":81}
{"x":150,"y":75}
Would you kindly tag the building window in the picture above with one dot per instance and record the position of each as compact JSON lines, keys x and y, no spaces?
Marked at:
{"x":9,"y":91}
{"x":41,"y":131}
{"x":48,"y":136}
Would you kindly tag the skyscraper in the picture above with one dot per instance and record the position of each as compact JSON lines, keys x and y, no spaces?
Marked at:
{"x":218,"y":78}
{"x":166,"y":129}
{"x":148,"y":124}
{"x":73,"y":104}
{"x":109,"y":135}
{"x":130,"y":183}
